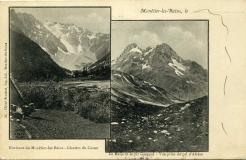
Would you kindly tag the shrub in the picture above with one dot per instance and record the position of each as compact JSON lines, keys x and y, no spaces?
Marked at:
{"x":93,"y":105}
{"x":96,"y":109}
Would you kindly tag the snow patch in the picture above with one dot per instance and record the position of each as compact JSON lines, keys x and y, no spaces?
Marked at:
{"x":153,"y":103}
{"x":153,"y":87}
{"x":69,"y":47}
{"x":91,"y":36}
{"x":178,"y":73}
{"x":93,"y":67}
{"x":186,"y":106}
{"x":147,"y":83}
{"x":190,"y":82}
{"x":38,"y":26}
{"x":178,"y":67}
{"x":146,"y":101}
{"x":79,"y":48}
{"x":117,"y":75}
{"x":126,"y":79}
{"x":136,"y":50}
{"x":148,"y":52}
{"x":176,"y":101}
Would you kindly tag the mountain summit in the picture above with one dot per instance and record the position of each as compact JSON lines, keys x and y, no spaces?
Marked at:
{"x":162,"y":66}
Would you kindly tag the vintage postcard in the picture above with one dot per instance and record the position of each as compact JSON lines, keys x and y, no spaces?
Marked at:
{"x":123,"y":79}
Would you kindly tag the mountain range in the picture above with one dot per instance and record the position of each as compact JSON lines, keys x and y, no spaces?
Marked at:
{"x":159,"y":102}
{"x":54,"y":49}
{"x":161,"y":66}
{"x":70,"y":46}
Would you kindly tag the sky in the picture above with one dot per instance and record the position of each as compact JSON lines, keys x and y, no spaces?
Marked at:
{"x":188,"y":38}
{"x":94,"y":19}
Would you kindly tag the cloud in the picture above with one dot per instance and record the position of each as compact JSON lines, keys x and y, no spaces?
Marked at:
{"x":94,"y":17}
{"x":91,"y":21}
{"x":145,"y":38}
{"x":186,"y":44}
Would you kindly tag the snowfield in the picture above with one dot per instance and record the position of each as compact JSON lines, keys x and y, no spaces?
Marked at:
{"x":178,"y":67}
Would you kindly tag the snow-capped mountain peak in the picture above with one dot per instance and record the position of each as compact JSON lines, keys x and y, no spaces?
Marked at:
{"x":69,"y":45}
{"x":162,"y":66}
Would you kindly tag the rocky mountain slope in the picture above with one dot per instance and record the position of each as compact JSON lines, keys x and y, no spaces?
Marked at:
{"x":101,"y":68}
{"x":29,"y":62}
{"x":68,"y":45}
{"x":129,"y":90}
{"x":162,"y":66}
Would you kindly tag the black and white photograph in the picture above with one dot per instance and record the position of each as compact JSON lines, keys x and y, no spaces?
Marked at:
{"x":59,"y":72}
{"x":159,"y":86}
{"x":123,"y":79}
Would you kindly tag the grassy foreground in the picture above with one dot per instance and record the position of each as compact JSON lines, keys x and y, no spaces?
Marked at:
{"x":55,"y":124}
{"x":64,"y":110}
{"x":179,"y":127}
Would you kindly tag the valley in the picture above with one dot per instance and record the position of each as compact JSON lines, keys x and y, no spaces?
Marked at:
{"x":60,"y":109}
{"x":159,"y":102}
{"x":147,"y":118}
{"x":59,"y":80}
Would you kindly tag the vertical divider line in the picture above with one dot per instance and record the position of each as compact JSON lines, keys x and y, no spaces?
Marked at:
{"x":9,"y":69}
{"x":208,"y":84}
{"x":110,"y":105}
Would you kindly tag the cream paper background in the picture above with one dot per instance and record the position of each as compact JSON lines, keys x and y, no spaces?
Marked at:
{"x":225,"y":106}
